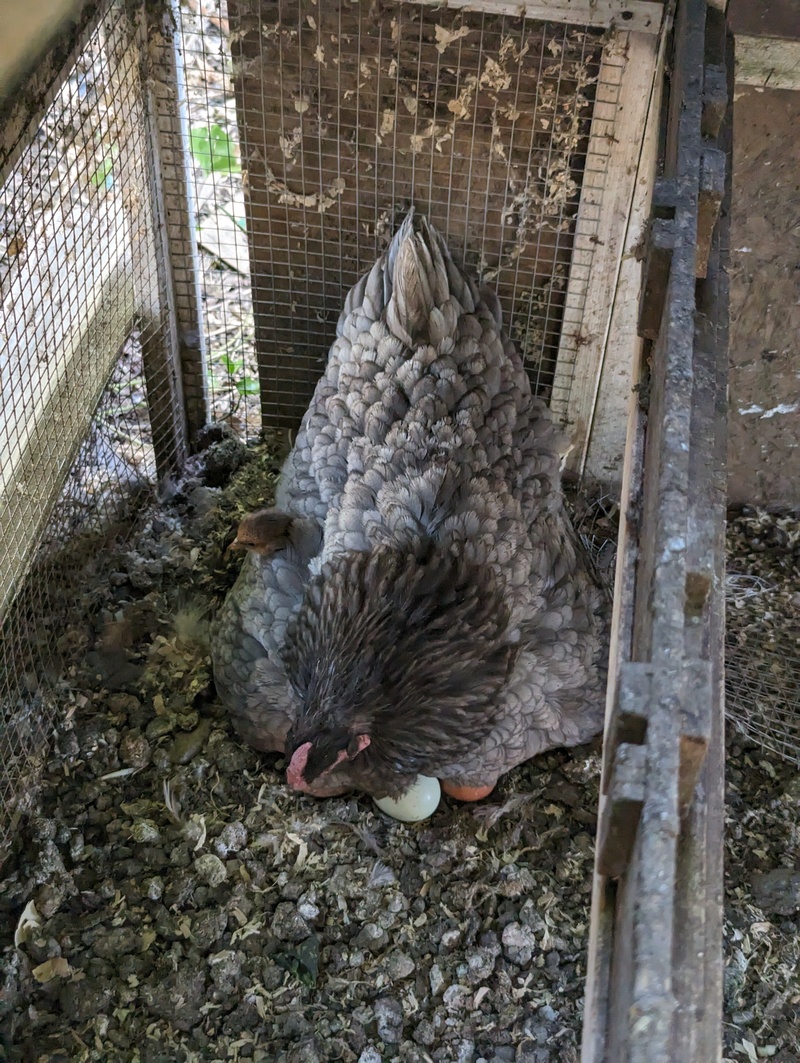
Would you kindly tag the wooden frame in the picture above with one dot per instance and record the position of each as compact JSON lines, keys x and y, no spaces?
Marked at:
{"x":654,"y":989}
{"x":637,"y":16}
{"x":594,"y":369}
{"x":140,"y":280}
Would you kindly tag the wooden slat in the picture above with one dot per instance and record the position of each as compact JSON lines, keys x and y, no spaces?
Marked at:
{"x":175,"y":216}
{"x":699,"y":966}
{"x":625,"y":89}
{"x":606,"y":443}
{"x":638,"y":16}
{"x":170,"y":332}
{"x":605,"y":899}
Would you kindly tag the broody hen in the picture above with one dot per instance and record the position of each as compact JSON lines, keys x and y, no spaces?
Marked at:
{"x":416,"y":603}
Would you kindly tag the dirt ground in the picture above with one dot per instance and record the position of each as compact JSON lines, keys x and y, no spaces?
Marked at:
{"x":764,"y":419}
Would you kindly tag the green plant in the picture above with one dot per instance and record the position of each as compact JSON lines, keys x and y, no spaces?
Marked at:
{"x":213,"y":150}
{"x":103,"y":175}
{"x":245,"y":385}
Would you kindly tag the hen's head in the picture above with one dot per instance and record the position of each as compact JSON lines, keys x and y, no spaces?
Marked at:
{"x":396,"y":661}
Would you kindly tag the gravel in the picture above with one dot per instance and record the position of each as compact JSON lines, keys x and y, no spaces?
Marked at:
{"x":190,"y":906}
{"x":175,"y":901}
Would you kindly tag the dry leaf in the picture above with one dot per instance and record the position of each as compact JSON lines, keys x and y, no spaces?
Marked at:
{"x":57,"y":967}
{"x":29,"y":921}
{"x":445,"y":37}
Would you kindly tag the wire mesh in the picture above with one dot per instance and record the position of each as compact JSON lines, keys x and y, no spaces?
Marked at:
{"x":348,"y":114}
{"x":762,"y":636}
{"x":762,"y":651}
{"x":217,"y":194}
{"x":88,"y":411}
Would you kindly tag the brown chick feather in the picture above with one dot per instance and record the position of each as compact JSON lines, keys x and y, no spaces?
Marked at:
{"x":264,"y":532}
{"x":429,"y":609}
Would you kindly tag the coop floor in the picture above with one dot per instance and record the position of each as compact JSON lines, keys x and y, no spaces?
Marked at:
{"x":187,"y":906}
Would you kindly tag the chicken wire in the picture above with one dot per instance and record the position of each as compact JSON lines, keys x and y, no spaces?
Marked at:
{"x":347,"y":115}
{"x":762,"y":642}
{"x":85,"y":375}
{"x":762,"y":639}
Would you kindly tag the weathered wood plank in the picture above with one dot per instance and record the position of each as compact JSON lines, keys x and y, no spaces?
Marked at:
{"x":625,"y":90}
{"x":768,"y":62}
{"x":605,"y":895}
{"x":638,"y":16}
{"x":175,"y":217}
{"x":620,"y":373}
{"x":654,"y":990}
{"x":165,"y":340}
{"x":699,"y":967}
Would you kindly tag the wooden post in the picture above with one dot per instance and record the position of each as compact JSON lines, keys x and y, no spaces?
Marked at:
{"x":654,"y":979}
{"x":172,"y":333}
{"x":613,"y":200}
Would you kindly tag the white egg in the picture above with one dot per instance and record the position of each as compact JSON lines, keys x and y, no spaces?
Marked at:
{"x":418,"y":803}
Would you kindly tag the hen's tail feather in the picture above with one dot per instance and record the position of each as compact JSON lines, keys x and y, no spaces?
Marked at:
{"x":420,"y":282}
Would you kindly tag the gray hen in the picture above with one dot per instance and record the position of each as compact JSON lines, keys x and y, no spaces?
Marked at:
{"x":416,"y":603}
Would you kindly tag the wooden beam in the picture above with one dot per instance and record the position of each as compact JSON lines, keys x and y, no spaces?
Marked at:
{"x":654,"y":968}
{"x":636,"y":16}
{"x":627,"y":87}
{"x":764,"y":18}
{"x":24,"y":99}
{"x":768,"y":62}
{"x":602,"y":927}
{"x":28,"y":26}
{"x":177,"y":254}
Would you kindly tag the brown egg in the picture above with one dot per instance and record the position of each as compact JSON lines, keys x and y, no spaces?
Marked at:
{"x":466,"y":793}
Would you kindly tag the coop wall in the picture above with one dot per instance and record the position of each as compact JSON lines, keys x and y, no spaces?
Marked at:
{"x":90,"y":377}
{"x":501,"y":129}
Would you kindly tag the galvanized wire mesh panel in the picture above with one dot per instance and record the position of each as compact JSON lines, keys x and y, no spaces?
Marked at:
{"x":762,"y":644}
{"x":762,"y":637}
{"x":347,"y":116}
{"x":217,"y":195}
{"x":86,"y":370}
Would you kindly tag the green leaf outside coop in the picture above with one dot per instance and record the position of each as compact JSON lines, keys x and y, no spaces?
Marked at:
{"x":248,"y":386}
{"x":103,"y":175}
{"x":213,"y":150}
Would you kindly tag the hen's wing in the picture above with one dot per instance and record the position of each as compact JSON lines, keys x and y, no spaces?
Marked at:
{"x":249,"y":632}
